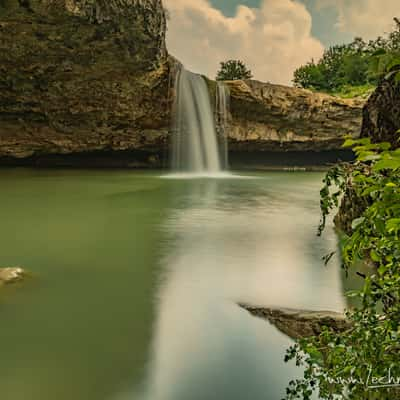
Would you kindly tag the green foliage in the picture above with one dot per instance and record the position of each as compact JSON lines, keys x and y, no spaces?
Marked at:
{"x":349,"y":91}
{"x":359,"y":63}
{"x":364,"y":361}
{"x":232,"y":70}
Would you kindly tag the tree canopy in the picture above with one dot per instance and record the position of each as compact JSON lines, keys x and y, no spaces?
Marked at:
{"x":356,"y":64}
{"x":232,"y":70}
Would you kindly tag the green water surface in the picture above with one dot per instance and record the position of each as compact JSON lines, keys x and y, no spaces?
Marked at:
{"x":136,"y":279}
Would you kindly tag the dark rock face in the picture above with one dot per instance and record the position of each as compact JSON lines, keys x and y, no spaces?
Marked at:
{"x":351,"y":208}
{"x":299,"y":324}
{"x":268,"y":117}
{"x":80,"y":76}
{"x":381,"y":120}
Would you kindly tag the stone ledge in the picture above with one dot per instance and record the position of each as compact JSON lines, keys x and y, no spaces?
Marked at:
{"x":299,"y":324}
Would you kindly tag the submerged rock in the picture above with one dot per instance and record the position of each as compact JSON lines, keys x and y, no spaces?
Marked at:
{"x":299,"y":324}
{"x":11,"y":275}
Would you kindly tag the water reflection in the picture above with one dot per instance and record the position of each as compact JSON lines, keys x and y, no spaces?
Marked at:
{"x":226,"y":242}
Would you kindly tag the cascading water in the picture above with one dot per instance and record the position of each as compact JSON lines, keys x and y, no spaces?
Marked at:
{"x":195,"y":143}
{"x":222,"y":118}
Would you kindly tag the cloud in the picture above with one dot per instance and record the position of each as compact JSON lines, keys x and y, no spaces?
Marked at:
{"x":272,"y":40}
{"x":366,"y":18}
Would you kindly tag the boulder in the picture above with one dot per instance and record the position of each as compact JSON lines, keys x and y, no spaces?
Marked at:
{"x":11,"y":275}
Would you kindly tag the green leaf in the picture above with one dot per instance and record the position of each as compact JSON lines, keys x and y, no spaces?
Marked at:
{"x":379,"y":52}
{"x":369,"y":156}
{"x":393,"y":225}
{"x":374,"y":256}
{"x":349,"y":143}
{"x":393,"y":63}
{"x":397,"y":78}
{"x":387,"y":163}
{"x":357,"y":222}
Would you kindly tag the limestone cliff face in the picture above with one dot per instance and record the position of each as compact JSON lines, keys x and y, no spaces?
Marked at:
{"x":84,"y":77}
{"x":268,"y":117}
{"x":79,"y":76}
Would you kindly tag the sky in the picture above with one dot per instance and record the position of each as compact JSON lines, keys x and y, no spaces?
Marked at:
{"x":273,"y":37}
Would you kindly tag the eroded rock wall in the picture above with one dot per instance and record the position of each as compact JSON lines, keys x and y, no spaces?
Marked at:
{"x":80,"y":76}
{"x":267,"y":117}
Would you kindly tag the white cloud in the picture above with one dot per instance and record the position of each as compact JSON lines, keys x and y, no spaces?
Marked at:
{"x":272,"y":40}
{"x":366,"y":18}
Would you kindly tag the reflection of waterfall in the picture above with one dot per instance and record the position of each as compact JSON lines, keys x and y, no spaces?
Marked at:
{"x":195,"y":145}
{"x":222,"y":117}
{"x":230,"y":241}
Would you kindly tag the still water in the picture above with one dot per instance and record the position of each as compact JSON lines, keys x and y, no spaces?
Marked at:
{"x":136,"y":281}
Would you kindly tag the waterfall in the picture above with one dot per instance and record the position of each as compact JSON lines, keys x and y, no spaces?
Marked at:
{"x":194,"y":143}
{"x":222,"y":118}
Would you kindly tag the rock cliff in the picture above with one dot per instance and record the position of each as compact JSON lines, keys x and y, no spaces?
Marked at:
{"x":381,"y":120}
{"x":82,"y":76}
{"x":267,"y":117}
{"x":89,"y":82}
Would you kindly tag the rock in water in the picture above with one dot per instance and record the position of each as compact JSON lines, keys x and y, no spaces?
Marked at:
{"x":11,"y":275}
{"x":299,"y":324}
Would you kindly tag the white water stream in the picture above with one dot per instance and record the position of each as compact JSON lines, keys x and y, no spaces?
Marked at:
{"x":195,"y":147}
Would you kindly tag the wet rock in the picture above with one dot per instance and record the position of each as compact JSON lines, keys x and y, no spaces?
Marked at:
{"x":11,"y":275}
{"x":299,"y":324}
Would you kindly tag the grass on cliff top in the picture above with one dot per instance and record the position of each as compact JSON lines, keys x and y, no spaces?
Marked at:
{"x":350,"y":92}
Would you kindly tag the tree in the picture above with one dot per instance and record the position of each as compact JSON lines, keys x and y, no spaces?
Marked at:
{"x":232,"y":70}
{"x":355,"y":64}
{"x":311,"y":76}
